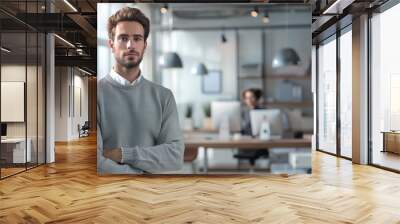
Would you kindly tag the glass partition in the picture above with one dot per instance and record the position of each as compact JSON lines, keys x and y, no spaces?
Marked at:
{"x":346,"y":92}
{"x":327,"y":95}
{"x":13,"y":103}
{"x":41,"y":96}
{"x":31,"y":100}
{"x":385,"y":89}
{"x":22,"y":90}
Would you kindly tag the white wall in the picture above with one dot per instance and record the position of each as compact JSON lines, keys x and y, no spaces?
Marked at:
{"x":205,"y":47}
{"x":196,"y":47}
{"x":68,"y":82}
{"x":33,"y":126}
{"x":61,"y":103}
{"x":16,"y":72}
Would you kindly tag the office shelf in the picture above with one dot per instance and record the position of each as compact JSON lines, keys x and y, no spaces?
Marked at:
{"x":251,"y":77}
{"x":292,"y":77}
{"x":251,"y":65}
{"x":295,"y":77}
{"x":285,"y":88}
{"x":277,"y":104}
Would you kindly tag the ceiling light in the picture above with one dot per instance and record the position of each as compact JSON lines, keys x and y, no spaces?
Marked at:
{"x":200,"y":69}
{"x":79,"y":51}
{"x":265,"y":18}
{"x":286,"y":57}
{"x":70,"y":5}
{"x":171,"y":60}
{"x":254,"y":12}
{"x":64,"y":40}
{"x":164,"y":9}
{"x":5,"y":50}
{"x":84,"y":71}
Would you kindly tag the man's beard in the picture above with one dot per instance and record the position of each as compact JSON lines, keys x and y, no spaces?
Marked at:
{"x":129,"y":64}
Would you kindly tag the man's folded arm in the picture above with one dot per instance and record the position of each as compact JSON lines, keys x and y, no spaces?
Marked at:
{"x":105,"y":165}
{"x":154,"y":159}
{"x":167,"y":155}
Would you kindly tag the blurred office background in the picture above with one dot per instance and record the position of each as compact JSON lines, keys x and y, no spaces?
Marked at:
{"x":208,"y":53}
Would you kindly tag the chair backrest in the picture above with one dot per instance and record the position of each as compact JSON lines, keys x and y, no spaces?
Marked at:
{"x":190,"y":154}
{"x":86,"y":125}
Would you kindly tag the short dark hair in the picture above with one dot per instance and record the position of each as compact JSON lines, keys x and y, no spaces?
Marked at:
{"x":256,"y":92}
{"x":128,"y":14}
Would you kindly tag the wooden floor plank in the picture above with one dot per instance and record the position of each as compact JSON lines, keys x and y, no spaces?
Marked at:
{"x":70,"y":191}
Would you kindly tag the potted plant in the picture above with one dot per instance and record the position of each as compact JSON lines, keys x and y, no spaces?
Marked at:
{"x":207,"y":122}
{"x":188,"y":122}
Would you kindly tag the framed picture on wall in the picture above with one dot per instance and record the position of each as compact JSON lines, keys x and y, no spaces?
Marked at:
{"x":212,"y":82}
{"x":12,"y":101}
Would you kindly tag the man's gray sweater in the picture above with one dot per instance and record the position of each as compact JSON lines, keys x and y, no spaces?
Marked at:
{"x":142,"y":120}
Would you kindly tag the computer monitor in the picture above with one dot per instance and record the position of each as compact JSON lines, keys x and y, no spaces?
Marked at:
{"x":273,"y":116}
{"x":226,"y":109}
{"x":3,"y":129}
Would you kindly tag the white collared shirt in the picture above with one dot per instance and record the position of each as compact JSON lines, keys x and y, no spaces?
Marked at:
{"x":123,"y":81}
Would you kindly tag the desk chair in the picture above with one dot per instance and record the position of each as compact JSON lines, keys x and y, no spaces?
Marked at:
{"x":84,"y":130}
{"x":190,"y":155}
{"x":252,"y":156}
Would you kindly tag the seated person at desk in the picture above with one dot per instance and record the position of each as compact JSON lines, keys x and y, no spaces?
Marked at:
{"x":251,"y":99}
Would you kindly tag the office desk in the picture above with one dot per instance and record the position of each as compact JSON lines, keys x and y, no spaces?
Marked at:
{"x":13,"y":150}
{"x":195,"y":140}
{"x":391,"y":141}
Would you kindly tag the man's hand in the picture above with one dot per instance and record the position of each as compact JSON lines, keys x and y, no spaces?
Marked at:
{"x":113,"y":154}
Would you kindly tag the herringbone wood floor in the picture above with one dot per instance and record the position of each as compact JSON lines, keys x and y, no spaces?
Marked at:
{"x":70,"y":191}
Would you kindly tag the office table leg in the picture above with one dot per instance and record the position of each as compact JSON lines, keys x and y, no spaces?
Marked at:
{"x":205,"y":160}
